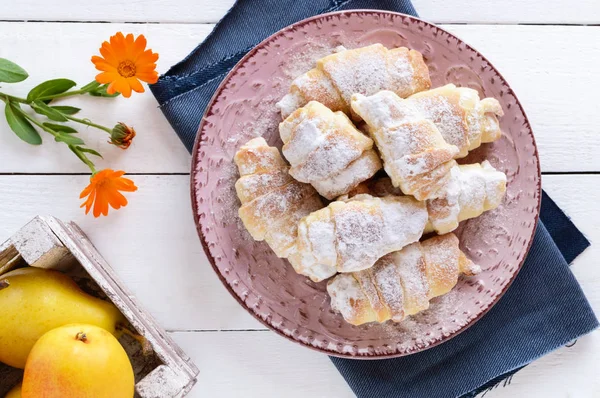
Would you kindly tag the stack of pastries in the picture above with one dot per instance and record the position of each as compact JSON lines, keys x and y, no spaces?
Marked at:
{"x":352,"y":204}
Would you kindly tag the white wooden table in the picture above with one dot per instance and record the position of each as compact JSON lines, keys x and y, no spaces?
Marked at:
{"x":547,"y":49}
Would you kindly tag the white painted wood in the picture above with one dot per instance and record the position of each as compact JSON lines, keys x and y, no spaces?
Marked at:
{"x":69,"y":47}
{"x":153,"y":246}
{"x":552,"y":88}
{"x":509,"y":11}
{"x":261,"y":365}
{"x":189,"y":11}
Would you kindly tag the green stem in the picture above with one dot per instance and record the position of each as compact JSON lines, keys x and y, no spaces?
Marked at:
{"x":83,"y":158}
{"x":40,"y":125}
{"x":88,"y":123}
{"x":6,"y":97}
{"x":62,"y":95}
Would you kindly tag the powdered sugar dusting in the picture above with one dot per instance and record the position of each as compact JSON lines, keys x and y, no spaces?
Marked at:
{"x":348,"y":298}
{"x":359,"y":235}
{"x":441,"y":263}
{"x":356,"y":172}
{"x":272,"y":202}
{"x":358,"y":71}
{"x":405,"y":219}
{"x":411,"y":267}
{"x":336,"y":153}
{"x":462,"y":119}
{"x":471,"y":190}
{"x":387,"y":281}
{"x":322,"y":237}
{"x":368,"y":287}
{"x":364,"y":70}
{"x":322,"y":145}
{"x":402,"y":283}
{"x":251,"y":186}
{"x":410,"y":145}
{"x":447,"y":116}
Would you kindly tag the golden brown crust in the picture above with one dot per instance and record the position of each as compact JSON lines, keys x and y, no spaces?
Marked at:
{"x":272,"y":201}
{"x":364,"y":70}
{"x":401,"y":283}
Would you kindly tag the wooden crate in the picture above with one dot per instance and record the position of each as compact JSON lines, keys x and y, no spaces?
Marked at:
{"x":164,"y":371}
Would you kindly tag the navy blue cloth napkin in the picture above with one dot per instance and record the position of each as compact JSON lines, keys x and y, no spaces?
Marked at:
{"x":543,"y":310}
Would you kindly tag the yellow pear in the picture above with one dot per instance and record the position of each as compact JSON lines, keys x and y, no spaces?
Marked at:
{"x":15,"y":392}
{"x":78,"y":361}
{"x":34,"y":301}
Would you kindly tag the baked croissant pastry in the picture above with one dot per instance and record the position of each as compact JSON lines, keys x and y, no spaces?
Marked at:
{"x":414,"y":153}
{"x":401,"y":283}
{"x":351,"y":236}
{"x":461,"y":117}
{"x":365,"y":70}
{"x":471,"y":190}
{"x":326,"y":150}
{"x":272,"y":201}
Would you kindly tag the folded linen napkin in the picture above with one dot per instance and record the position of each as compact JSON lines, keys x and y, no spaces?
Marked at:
{"x":544,"y":308}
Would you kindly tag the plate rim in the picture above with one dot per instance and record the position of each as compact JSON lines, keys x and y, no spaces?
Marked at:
{"x":194,"y":203}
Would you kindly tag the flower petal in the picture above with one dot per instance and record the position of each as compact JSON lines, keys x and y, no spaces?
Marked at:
{"x":90,"y":200}
{"x":116,"y":200}
{"x":102,"y":64}
{"x":107,"y":77}
{"x":86,"y":191}
{"x":147,"y":57}
{"x":118,"y":45}
{"x":126,"y":187}
{"x":130,"y":46}
{"x":122,"y":86}
{"x":148,"y":77}
{"x":116,"y":173}
{"x":111,"y":87}
{"x":139,"y":46}
{"x":135,"y":84}
{"x":109,"y":54}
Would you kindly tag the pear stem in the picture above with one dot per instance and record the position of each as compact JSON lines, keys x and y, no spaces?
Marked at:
{"x":4,"y":284}
{"x":81,"y":336}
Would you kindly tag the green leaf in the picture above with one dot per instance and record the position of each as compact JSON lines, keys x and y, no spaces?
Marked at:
{"x":66,"y":110}
{"x":68,"y":139}
{"x":20,"y":125}
{"x":101,"y":92}
{"x":88,"y":150}
{"x":43,"y":109}
{"x":60,"y":128}
{"x":11,"y":72}
{"x":90,"y":86}
{"x":50,"y":88}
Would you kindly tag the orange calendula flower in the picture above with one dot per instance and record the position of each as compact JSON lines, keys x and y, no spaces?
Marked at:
{"x":124,"y":63}
{"x":104,"y":190}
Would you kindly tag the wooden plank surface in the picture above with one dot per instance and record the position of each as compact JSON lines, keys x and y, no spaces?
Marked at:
{"x":439,"y":11}
{"x":551,"y":88}
{"x":261,"y":364}
{"x":153,"y":243}
{"x":153,"y":246}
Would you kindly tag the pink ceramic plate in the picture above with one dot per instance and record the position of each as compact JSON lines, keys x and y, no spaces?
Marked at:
{"x":244,"y":107}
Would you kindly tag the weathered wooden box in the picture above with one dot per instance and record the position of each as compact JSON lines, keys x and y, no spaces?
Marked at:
{"x":164,"y":371}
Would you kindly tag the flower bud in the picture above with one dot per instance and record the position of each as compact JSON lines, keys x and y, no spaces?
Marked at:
{"x":122,"y":135}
